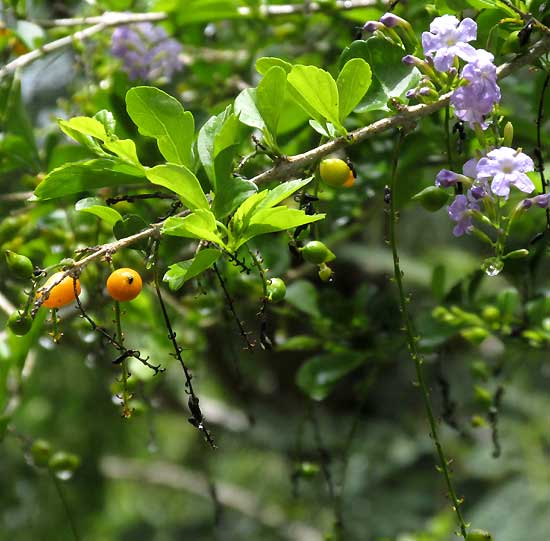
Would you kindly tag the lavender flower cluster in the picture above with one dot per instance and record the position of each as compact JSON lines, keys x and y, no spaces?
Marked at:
{"x":146,"y":51}
{"x":448,"y":39}
{"x":489,"y":176}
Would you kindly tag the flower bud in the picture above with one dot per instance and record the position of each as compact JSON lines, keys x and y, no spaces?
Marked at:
{"x":508,"y":135}
{"x":372,"y":26}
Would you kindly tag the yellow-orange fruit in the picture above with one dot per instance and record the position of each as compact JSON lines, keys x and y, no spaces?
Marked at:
{"x":124,"y":284}
{"x":62,"y":293}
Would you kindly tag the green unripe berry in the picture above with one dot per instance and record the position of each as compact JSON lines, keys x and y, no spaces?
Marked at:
{"x":276,"y":290}
{"x":325,"y":272}
{"x":63,"y":462}
{"x":483,"y":396}
{"x":334,"y":172}
{"x":316,"y":252}
{"x":20,"y":265}
{"x":309,"y":469}
{"x":479,"y":535}
{"x":432,"y":198}
{"x":41,"y":451}
{"x":491,"y":313}
{"x":19,"y":324}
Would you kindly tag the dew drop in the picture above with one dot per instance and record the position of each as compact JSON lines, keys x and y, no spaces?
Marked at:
{"x":64,"y":475}
{"x":492,"y":266}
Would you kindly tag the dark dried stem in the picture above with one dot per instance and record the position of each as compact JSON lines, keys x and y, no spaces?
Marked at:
{"x":196,"y":419}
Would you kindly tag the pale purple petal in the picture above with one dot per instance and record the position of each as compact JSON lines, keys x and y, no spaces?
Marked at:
{"x":468,"y":29}
{"x":500,"y":185}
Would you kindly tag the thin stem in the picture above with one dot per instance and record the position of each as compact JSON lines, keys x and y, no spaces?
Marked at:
{"x":448,"y":137}
{"x":66,"y":507}
{"x":196,"y":419}
{"x":126,"y":411}
{"x":412,"y":341}
{"x":538,"y":151}
{"x":231,"y":305}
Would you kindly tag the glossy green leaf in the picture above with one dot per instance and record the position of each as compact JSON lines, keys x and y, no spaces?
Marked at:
{"x":270,"y":97}
{"x":271,"y":220}
{"x":353,"y":82}
{"x":86,"y":176}
{"x":95,"y":206}
{"x":217,"y":144}
{"x":283,"y":191}
{"x":159,"y":115}
{"x":181,"y":181}
{"x":318,"y":89}
{"x":85,"y":130}
{"x":201,"y":224}
{"x":320,"y":374}
{"x":247,"y":110}
{"x":264,"y":64}
{"x":181,"y":272}
{"x":390,"y":77}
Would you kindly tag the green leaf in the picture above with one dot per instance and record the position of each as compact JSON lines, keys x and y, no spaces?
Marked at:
{"x":247,"y":110}
{"x":264,"y":64}
{"x":218,"y":142}
{"x":95,"y":206}
{"x":85,"y":130}
{"x":353,"y":82}
{"x":214,"y":138}
{"x":201,"y":224}
{"x":159,"y":115}
{"x":318,"y":376}
{"x":282,"y":192}
{"x":318,"y":89}
{"x":270,"y":96}
{"x":131,"y":225}
{"x":302,"y":295}
{"x":271,"y":220}
{"x":390,"y":77}
{"x":86,"y":176}
{"x":181,"y":181}
{"x":181,"y":272}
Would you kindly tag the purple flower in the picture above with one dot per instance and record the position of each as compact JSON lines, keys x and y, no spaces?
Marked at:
{"x":390,"y":20}
{"x":448,"y":38}
{"x":146,"y":51}
{"x":469,"y":168}
{"x":480,"y":189}
{"x":507,"y":167}
{"x":542,"y":201}
{"x":446,"y":178}
{"x":477,"y":98}
{"x":458,"y":212}
{"x":372,"y":26}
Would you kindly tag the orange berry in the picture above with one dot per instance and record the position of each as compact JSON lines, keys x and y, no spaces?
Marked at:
{"x":124,"y":284}
{"x":350,"y":181}
{"x":62,"y":293}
